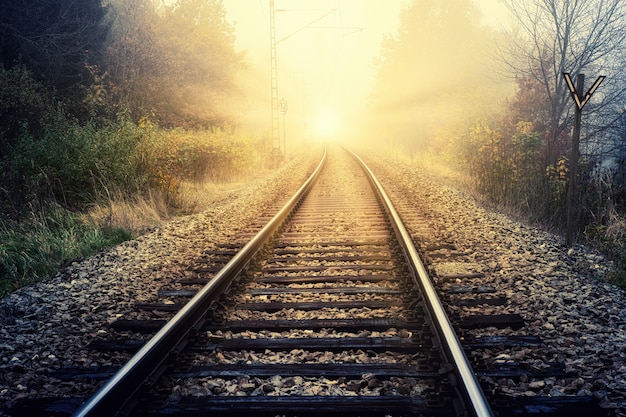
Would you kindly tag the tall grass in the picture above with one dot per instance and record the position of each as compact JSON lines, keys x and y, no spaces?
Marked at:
{"x":136,"y":215}
{"x":604,"y":217}
{"x":36,"y":247}
{"x":76,"y":165}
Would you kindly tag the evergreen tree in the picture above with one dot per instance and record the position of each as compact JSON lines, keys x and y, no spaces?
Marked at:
{"x":54,"y":39}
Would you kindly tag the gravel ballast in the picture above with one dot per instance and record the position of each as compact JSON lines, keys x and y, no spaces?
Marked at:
{"x":558,"y":290}
{"x":48,"y":325}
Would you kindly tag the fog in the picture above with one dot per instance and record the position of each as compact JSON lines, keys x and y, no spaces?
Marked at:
{"x":329,"y":71}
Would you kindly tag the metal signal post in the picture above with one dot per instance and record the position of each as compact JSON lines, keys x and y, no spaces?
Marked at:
{"x":572,"y":190}
{"x":276,"y":153}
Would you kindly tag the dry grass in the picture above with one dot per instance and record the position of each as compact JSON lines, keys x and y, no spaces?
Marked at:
{"x":136,"y":215}
{"x":196,"y":197}
{"x":616,"y":227}
{"x":446,"y":173}
{"x":142,"y":213}
{"x":611,"y":239}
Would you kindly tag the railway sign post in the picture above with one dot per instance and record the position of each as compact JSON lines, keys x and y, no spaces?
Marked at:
{"x":572,"y":189}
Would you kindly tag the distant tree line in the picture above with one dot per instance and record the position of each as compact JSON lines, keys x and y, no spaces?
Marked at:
{"x":517,"y":152}
{"x":176,"y":62}
{"x":85,"y":86}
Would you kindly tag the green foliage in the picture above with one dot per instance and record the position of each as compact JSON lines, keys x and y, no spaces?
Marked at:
{"x":77,"y":164}
{"x":72,"y":165}
{"x":487,"y":160}
{"x":214,"y":154}
{"x":67,"y":163}
{"x":52,"y":166}
{"x":509,"y":170}
{"x":22,"y":101}
{"x":53,"y":39}
{"x":36,"y":247}
{"x":71,"y":135}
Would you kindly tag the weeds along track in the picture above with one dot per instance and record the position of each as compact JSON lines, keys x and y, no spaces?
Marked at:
{"x":328,"y":310}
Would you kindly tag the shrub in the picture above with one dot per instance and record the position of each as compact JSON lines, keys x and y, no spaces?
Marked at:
{"x":22,"y":102}
{"x":49,"y":176}
{"x":76,"y":165}
{"x":213,"y":154}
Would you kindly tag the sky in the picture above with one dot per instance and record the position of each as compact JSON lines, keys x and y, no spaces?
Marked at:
{"x":325,"y":68}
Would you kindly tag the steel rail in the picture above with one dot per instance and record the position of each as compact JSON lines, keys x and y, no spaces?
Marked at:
{"x":120,"y":389}
{"x":466,"y":382}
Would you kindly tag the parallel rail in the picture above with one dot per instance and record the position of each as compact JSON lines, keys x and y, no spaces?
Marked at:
{"x":329,"y":309}
{"x":465,"y":378}
{"x":120,"y":389}
{"x":149,"y":361}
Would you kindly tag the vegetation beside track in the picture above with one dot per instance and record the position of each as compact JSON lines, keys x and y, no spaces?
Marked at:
{"x":69,"y":189}
{"x":511,"y":135}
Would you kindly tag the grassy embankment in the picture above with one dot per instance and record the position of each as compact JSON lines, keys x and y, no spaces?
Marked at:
{"x":78,"y":188}
{"x":602,"y":223}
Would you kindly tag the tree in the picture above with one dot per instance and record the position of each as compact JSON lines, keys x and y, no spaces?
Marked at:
{"x":435,"y":73}
{"x":575,"y":36}
{"x":22,"y":101}
{"x":178,"y":62}
{"x":54,"y":39}
{"x":201,"y":61}
{"x":133,"y":55}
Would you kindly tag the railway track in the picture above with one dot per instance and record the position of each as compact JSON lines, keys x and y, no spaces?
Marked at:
{"x":328,"y":309}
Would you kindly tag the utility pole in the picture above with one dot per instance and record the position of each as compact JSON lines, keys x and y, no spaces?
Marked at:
{"x":572,"y":190}
{"x":275,"y":153}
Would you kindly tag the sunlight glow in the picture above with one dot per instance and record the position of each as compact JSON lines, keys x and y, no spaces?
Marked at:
{"x":326,"y":124}
{"x":328,"y":70}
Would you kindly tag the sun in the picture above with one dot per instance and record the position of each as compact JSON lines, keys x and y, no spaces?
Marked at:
{"x":326,"y":123}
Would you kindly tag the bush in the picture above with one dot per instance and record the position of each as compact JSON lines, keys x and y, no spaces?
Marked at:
{"x":213,"y":154}
{"x":53,"y":166}
{"x":49,"y":175}
{"x":22,"y":102}
{"x":77,"y":165}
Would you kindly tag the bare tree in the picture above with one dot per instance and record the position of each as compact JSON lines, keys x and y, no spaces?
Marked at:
{"x":575,"y":36}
